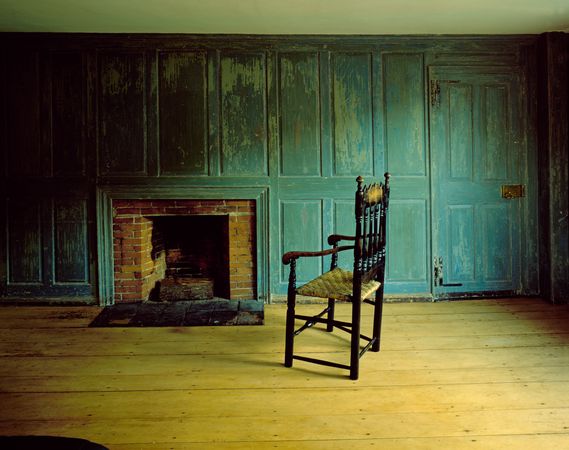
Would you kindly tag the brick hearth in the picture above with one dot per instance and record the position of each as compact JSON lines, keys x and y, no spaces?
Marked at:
{"x":139,"y":263}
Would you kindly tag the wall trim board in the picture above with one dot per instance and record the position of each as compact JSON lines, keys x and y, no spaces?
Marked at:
{"x":444,"y":43}
{"x":553,"y":164}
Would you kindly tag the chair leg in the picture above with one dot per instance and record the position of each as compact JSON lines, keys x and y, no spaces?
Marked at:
{"x":355,"y":340}
{"x":331,"y":305}
{"x":289,"y":339}
{"x":377,"y":317}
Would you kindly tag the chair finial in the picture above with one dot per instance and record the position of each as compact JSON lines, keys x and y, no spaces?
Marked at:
{"x":360,"y":181}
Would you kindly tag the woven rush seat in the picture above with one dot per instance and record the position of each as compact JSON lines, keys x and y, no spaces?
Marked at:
{"x":336,"y":284}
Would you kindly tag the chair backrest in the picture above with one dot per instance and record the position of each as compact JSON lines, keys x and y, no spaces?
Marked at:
{"x":372,"y":203}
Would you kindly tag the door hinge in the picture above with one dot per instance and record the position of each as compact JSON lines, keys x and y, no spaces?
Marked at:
{"x":435,"y":93}
{"x":438,"y":273}
{"x":438,"y":270}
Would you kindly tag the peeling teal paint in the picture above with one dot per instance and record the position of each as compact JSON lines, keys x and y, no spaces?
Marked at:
{"x":301,"y":117}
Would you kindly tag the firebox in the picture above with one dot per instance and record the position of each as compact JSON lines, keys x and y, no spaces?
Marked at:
{"x":183,"y":250}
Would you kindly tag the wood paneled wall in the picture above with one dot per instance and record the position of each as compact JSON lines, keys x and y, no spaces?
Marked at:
{"x":553,"y":132}
{"x":303,"y":116}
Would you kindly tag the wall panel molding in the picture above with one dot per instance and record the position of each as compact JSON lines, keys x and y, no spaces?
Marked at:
{"x":121,"y":108}
{"x":291,"y":119}
{"x":182,"y":113}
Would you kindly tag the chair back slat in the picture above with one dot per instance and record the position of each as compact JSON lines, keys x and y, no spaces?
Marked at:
{"x":372,"y":202}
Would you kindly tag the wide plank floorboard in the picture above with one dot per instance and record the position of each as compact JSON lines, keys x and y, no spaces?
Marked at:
{"x":482,"y":374}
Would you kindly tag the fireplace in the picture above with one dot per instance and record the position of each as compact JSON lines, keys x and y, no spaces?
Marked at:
{"x":172,"y":249}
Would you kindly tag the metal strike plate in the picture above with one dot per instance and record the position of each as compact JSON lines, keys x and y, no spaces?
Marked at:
{"x":510,"y":191}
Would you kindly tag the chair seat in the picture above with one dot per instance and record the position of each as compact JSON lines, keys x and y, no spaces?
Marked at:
{"x":336,"y":284}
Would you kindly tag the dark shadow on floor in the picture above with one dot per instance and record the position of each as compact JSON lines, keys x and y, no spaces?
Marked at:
{"x":47,"y":443}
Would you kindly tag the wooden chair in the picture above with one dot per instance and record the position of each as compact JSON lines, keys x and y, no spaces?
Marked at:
{"x":364,"y":284}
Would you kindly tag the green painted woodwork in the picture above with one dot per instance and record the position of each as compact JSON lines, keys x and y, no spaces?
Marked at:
{"x":122,"y":110}
{"x":25,"y":257}
{"x":70,"y":241}
{"x":406,"y":155}
{"x":407,"y":232}
{"x":462,"y":258}
{"x":67,"y":109}
{"x":498,"y":228}
{"x":182,"y":111}
{"x":352,"y":114}
{"x":476,"y":148}
{"x":405,"y":114}
{"x":496,"y":133}
{"x":300,"y":120}
{"x":344,"y":224}
{"x":23,"y":123}
{"x":301,"y":225}
{"x":553,"y":163}
{"x":48,"y":248}
{"x":461,"y":134}
{"x":287,"y":121}
{"x":243,"y":114}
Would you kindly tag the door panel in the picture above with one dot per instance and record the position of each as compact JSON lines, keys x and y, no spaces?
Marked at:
{"x":407,"y":218}
{"x":182,"y":112}
{"x":121,"y":107}
{"x":244,"y":133}
{"x":404,"y":110}
{"x":299,"y":108}
{"x":71,"y":258}
{"x":301,"y":225}
{"x":24,"y":242}
{"x":476,"y":232}
{"x":461,"y":256}
{"x":352,"y":113}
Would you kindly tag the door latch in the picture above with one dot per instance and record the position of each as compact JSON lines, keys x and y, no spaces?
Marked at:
{"x":438,"y":273}
{"x":510,"y":191}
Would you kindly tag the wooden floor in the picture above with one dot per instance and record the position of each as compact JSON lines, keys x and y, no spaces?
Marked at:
{"x":486,"y":374}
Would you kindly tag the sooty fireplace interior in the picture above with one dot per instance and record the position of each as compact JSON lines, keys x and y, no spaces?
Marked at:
{"x":195,"y":251}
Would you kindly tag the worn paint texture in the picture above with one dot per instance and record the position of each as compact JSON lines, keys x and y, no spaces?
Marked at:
{"x":353,"y":130}
{"x":70,"y":242}
{"x":302,"y":215}
{"x":477,"y":233}
{"x":122,"y":109}
{"x":243,"y":112}
{"x":405,"y":114}
{"x":24,"y":242}
{"x":23,"y":102}
{"x":554,"y":162}
{"x":182,"y":112}
{"x":299,"y":117}
{"x":68,"y":106}
{"x":300,"y":114}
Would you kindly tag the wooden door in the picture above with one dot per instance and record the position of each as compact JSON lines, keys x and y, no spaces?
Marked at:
{"x":476,"y":149}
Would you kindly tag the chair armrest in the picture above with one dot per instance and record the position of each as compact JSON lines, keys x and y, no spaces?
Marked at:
{"x":289,"y":256}
{"x":335,"y":238}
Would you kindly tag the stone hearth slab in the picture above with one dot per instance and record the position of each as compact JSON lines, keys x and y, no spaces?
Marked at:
{"x":182,"y":313}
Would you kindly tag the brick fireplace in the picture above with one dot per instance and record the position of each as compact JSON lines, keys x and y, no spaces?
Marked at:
{"x":145,"y":250}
